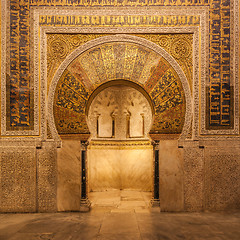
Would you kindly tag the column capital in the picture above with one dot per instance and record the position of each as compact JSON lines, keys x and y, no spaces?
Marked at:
{"x":84,"y":144}
{"x":155,"y":143}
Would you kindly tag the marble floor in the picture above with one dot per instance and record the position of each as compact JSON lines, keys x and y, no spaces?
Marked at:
{"x":122,"y":215}
{"x":120,"y":201}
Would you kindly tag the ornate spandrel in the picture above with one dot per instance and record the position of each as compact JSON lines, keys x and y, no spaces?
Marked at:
{"x":86,"y":73}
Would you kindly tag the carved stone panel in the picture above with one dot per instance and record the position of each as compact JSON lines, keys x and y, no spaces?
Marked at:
{"x":47,"y":178}
{"x":193,"y":177}
{"x":222,"y":177}
{"x":17,"y":179}
{"x":104,"y":111}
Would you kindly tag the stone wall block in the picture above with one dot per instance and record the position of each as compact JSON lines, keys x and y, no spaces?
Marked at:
{"x":47,"y":177}
{"x":171,"y":176}
{"x":120,"y":165}
{"x":69,"y":175}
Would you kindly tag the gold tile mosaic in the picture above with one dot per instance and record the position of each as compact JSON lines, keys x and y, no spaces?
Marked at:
{"x":156,"y":76}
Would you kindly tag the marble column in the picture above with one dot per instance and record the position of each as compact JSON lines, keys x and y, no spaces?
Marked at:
{"x":84,"y":202}
{"x":155,"y":201}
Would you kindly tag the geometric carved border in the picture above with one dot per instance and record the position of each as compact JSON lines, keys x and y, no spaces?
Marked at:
{"x":36,"y":30}
{"x":201,"y":31}
{"x":234,"y":81}
{"x":200,"y":11}
{"x":5,"y":53}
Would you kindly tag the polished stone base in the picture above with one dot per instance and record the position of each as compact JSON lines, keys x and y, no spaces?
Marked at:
{"x":120,"y":165}
{"x":154,"y":205}
{"x":85,"y":205}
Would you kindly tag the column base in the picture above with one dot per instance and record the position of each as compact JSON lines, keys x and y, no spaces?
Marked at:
{"x":155,"y":205}
{"x":85,"y":205}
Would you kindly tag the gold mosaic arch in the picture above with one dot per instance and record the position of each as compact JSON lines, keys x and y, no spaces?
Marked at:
{"x":179,"y":46}
{"x":119,"y":57}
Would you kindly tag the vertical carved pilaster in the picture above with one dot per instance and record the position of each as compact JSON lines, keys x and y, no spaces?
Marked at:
{"x":155,"y":201}
{"x":47,"y":177}
{"x":84,"y":202}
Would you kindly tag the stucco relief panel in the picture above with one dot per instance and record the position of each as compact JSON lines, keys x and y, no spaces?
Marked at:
{"x":17,"y":179}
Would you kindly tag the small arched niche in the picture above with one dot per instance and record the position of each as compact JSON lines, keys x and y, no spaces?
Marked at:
{"x":119,"y":117}
{"x":119,"y":112}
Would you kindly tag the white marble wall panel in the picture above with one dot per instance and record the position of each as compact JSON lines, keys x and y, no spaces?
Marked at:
{"x":112,"y":168}
{"x":136,"y":169}
{"x":171,"y":176}
{"x":69,"y":176}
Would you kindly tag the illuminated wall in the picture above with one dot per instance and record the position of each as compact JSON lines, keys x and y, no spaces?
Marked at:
{"x":183,"y":53}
